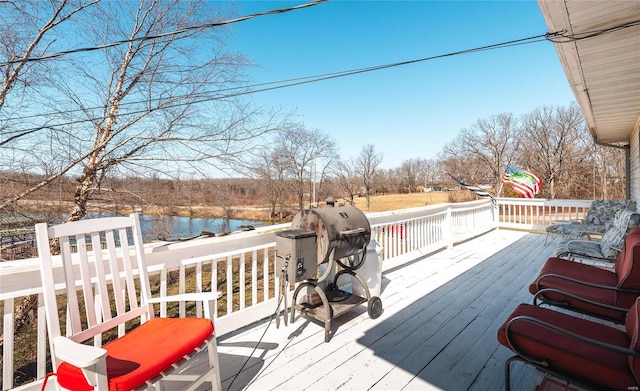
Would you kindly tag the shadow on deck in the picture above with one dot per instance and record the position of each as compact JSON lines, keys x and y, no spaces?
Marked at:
{"x":437,"y":331}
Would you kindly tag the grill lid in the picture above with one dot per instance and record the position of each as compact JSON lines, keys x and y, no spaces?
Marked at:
{"x":345,"y":230}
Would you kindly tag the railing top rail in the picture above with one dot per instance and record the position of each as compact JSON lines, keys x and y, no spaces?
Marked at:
{"x":544,"y":202}
{"x":19,"y":278}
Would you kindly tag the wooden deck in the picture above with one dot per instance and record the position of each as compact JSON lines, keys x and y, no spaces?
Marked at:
{"x":437,"y":331}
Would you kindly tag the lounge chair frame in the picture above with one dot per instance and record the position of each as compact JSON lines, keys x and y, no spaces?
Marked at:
{"x":541,"y":298}
{"x":544,"y":365}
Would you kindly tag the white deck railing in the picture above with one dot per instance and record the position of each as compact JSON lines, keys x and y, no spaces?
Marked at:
{"x":244,"y":263}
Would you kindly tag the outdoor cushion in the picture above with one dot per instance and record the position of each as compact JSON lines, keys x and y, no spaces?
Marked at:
{"x":627,"y":270}
{"x":577,"y":229}
{"x":586,"y":273}
{"x":586,"y":248}
{"x":632,"y":327}
{"x":610,"y":244}
{"x":166,"y":340}
{"x":598,"y":218}
{"x":569,"y":356}
{"x":558,"y":273}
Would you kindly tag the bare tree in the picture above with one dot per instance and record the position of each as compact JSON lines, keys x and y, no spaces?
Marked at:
{"x":493,"y":143}
{"x":366,"y":165}
{"x":411,"y":173}
{"x":408,"y":173}
{"x":301,"y":149}
{"x":347,"y":180}
{"x":27,"y":31}
{"x":457,"y":160}
{"x":154,"y":103}
{"x":271,"y":169}
{"x":550,"y":136}
{"x":432,"y":173}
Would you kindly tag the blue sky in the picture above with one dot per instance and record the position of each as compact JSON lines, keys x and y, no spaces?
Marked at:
{"x":410,"y":111}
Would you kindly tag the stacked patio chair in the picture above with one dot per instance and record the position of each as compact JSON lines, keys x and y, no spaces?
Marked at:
{"x":596,"y":221}
{"x":608,"y":247}
{"x":102,"y":261}
{"x":590,"y":354}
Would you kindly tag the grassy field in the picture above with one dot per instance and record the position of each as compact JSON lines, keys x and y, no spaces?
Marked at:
{"x":381,"y":203}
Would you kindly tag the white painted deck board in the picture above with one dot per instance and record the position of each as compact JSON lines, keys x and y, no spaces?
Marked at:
{"x":438,"y":329}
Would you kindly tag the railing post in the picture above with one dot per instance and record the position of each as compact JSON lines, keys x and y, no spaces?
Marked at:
{"x":448,"y":228}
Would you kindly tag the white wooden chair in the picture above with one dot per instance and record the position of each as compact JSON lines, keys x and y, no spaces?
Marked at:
{"x":103,"y":285}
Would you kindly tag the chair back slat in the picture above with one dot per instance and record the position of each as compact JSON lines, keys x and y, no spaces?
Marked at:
{"x":99,"y":259}
{"x":119,"y":295}
{"x":145,"y":289}
{"x":102,"y":291}
{"x":129,"y":273}
{"x":74,"y":322}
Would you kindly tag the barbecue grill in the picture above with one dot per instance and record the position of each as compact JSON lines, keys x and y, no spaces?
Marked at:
{"x":322,"y":245}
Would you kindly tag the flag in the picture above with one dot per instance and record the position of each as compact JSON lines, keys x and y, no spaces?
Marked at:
{"x":476,"y":190}
{"x":522,"y":182}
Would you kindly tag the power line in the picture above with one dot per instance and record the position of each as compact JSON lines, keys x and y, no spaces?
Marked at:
{"x":163,"y":35}
{"x":562,"y":36}
{"x":273,"y":85}
{"x":268,"y":86}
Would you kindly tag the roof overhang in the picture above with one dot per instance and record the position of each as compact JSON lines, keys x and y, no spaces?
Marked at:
{"x":602,"y":63}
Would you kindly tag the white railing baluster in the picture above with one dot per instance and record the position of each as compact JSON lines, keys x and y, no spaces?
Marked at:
{"x":163,"y":292}
{"x":199,"y":289}
{"x":229,"y":284}
{"x":42,"y":339}
{"x":265,"y":271}
{"x":254,"y":277}
{"x":242,"y":282}
{"x":7,"y":346}
{"x":181,"y":289}
{"x":214,"y":283}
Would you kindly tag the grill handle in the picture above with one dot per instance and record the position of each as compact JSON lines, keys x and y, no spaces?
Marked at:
{"x":352,"y":232}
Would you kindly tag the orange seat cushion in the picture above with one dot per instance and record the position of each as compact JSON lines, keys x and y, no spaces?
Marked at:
{"x":569,"y":356}
{"x":143,"y":353}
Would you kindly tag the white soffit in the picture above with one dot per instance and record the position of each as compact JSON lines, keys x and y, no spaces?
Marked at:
{"x":603,"y":70}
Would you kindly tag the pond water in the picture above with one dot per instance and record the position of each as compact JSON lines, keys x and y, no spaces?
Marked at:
{"x":179,"y":227}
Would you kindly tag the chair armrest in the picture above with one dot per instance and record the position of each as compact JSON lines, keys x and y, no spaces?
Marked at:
{"x":77,"y":354}
{"x":582,"y":255}
{"x":542,"y":293}
{"x":570,"y":221}
{"x":589,"y":235}
{"x":201,"y":296}
{"x":585,"y":283}
{"x":563,"y":332}
{"x":573,"y":280}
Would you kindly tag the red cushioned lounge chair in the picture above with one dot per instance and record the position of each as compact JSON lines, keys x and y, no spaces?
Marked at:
{"x":587,"y":289}
{"x":108,"y":289}
{"x":592,"y":355}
